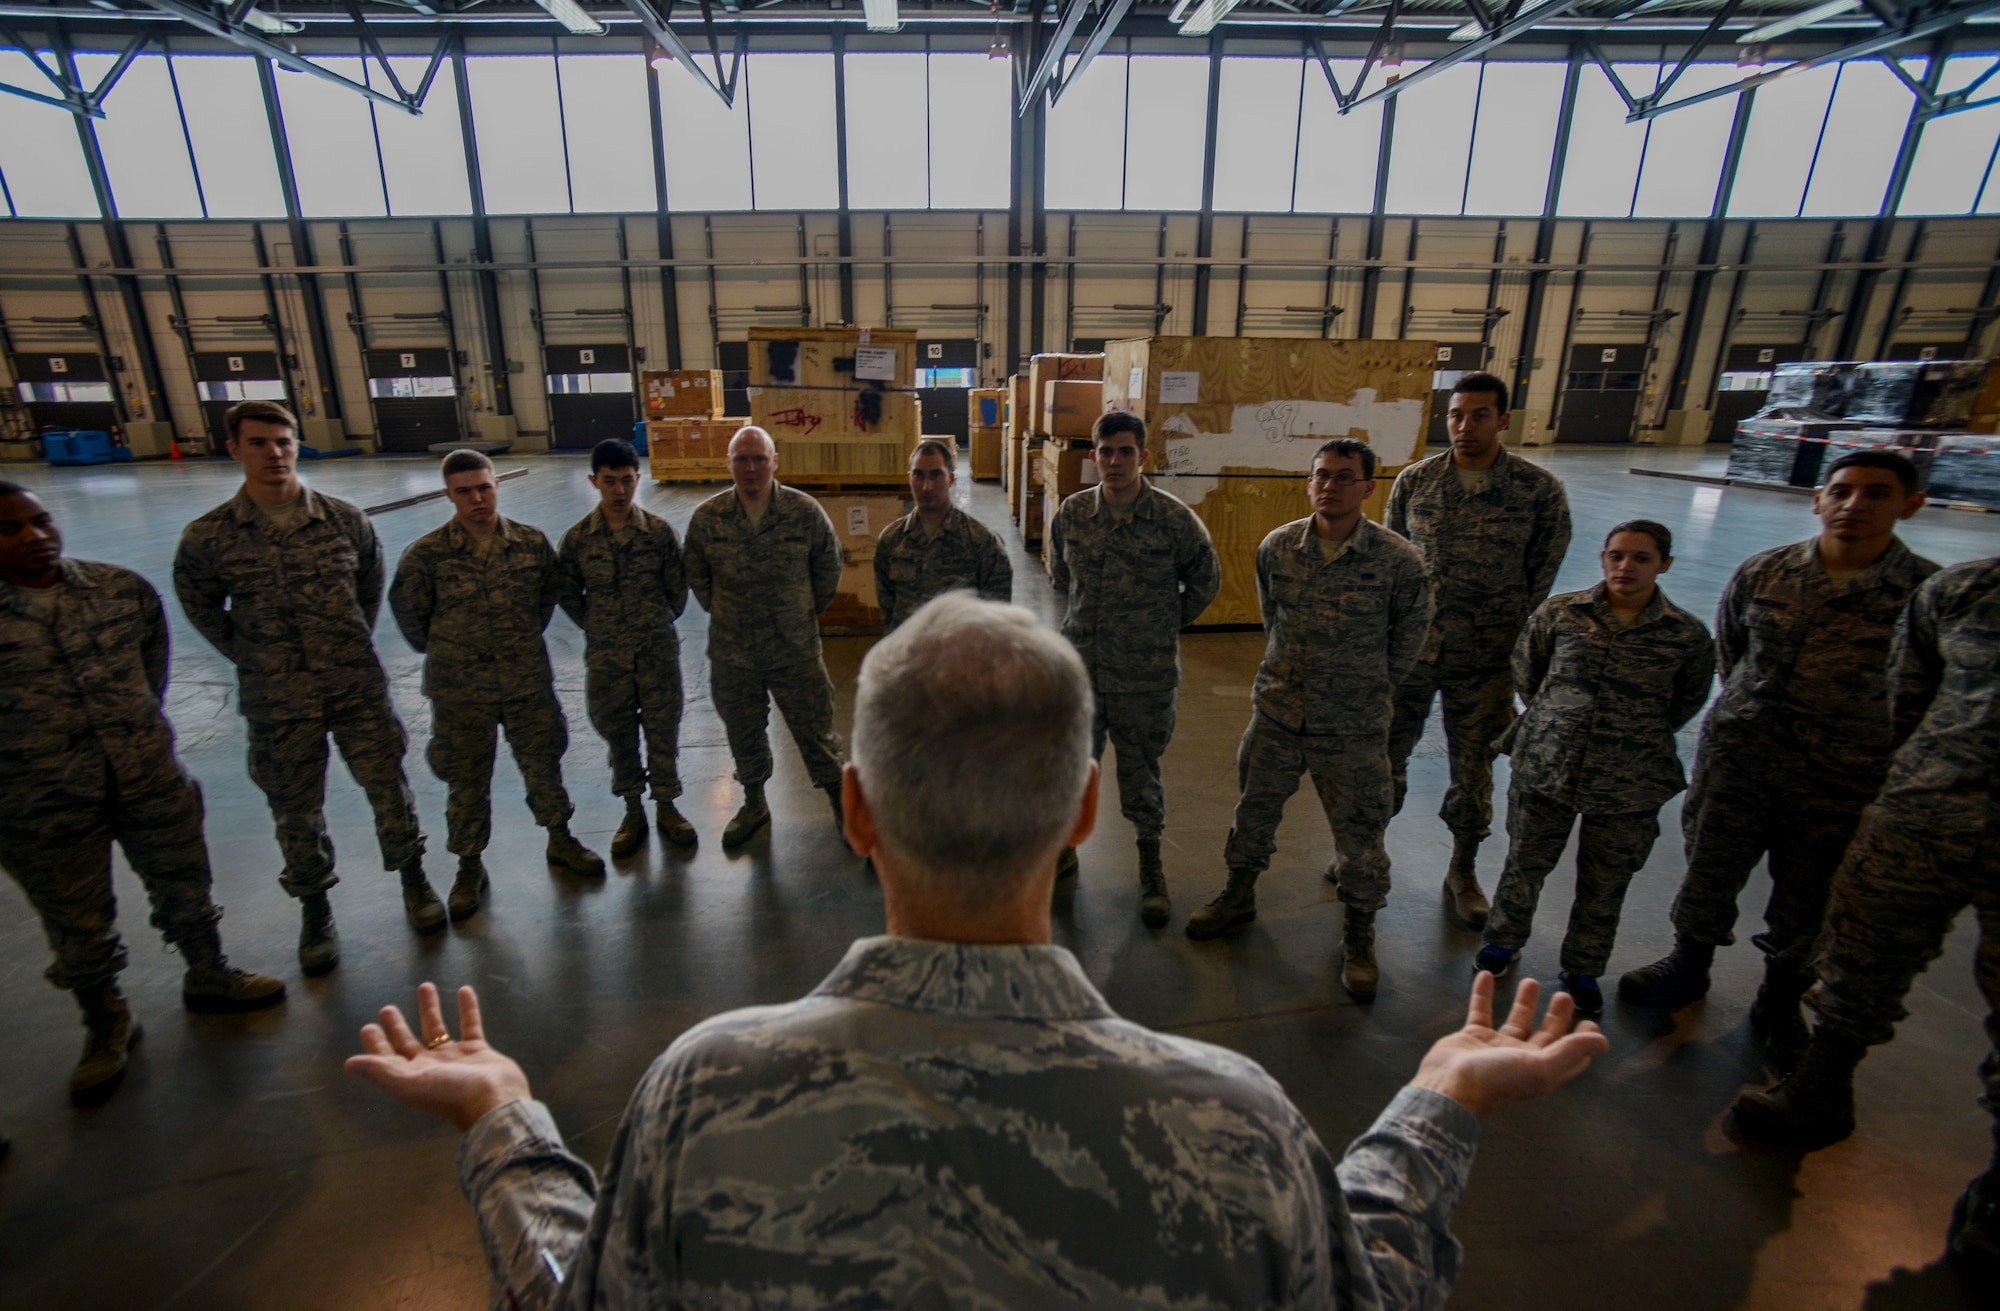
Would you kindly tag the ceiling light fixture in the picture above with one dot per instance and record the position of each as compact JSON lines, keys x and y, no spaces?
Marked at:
{"x":1473,"y":31}
{"x":1206,"y":15}
{"x":881,"y":15}
{"x":570,"y":14}
{"x":1793,"y":22}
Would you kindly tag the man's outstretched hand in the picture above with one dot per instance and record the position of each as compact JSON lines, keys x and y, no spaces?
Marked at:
{"x":1483,"y":1068}
{"x":459,"y":1081}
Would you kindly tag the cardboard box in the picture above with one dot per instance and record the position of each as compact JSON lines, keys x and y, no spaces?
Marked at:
{"x":835,"y":413}
{"x":1067,"y":470}
{"x":833,"y":357}
{"x":681,"y":393}
{"x":1047,"y":368}
{"x":858,"y":520}
{"x":1070,"y":408}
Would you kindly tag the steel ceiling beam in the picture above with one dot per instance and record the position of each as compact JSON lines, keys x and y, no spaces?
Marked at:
{"x":75,"y":97}
{"x":655,"y":23}
{"x":221,"y":27}
{"x":1045,"y":77}
{"x":1496,"y":36}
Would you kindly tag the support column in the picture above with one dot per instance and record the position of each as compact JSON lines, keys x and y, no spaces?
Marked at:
{"x":1371,"y":276}
{"x":844,"y":221}
{"x":1711,"y":251}
{"x":670,"y":298}
{"x":317,"y":338}
{"x":1545,"y":238}
{"x":482,"y":244}
{"x":1204,"y":242}
{"x":1883,"y":228}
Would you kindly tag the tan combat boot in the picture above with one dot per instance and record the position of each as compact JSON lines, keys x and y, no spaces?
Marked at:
{"x":1236,"y":906}
{"x":466,"y":891}
{"x":632,"y":830}
{"x":571,"y":857}
{"x":1461,"y":886}
{"x":111,"y":1033}
{"x":1154,"y":907}
{"x":674,"y":826}
{"x":420,"y":903}
{"x":1358,"y":973}
{"x":319,"y":941}
{"x":212,"y":985}
{"x":754,"y":815}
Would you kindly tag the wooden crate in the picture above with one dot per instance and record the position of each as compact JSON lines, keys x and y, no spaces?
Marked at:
{"x":1261,"y":405}
{"x":681,"y":393}
{"x":1066,"y":468}
{"x":847,"y":463}
{"x":1047,"y":368}
{"x":985,"y":461}
{"x":1986,"y":409}
{"x":1019,"y":403}
{"x":825,"y":357}
{"x":835,"y":413}
{"x":1012,"y":470}
{"x":858,"y":520}
{"x":988,"y":415}
{"x":690,"y":450}
{"x":1071,"y":406}
{"x":1028,"y":496}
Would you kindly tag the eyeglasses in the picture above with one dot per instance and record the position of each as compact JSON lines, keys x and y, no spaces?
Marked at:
{"x":1343,"y":480}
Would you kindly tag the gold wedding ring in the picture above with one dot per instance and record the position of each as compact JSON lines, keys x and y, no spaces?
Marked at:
{"x":438,"y":1041}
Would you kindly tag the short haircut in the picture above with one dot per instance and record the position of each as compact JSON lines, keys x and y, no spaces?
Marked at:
{"x":972,"y":740}
{"x":1351,"y":449}
{"x":258,"y":412}
{"x":751,"y":427}
{"x":1115,"y":423}
{"x":1482,"y":381}
{"x":613,"y":453}
{"x":8,"y":488}
{"x":932,"y":446}
{"x":1895,"y":462}
{"x":1662,"y":536}
{"x":464,"y":460}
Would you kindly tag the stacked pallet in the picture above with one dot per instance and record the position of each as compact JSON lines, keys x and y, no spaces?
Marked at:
{"x":681,"y":393}
{"x":1232,"y":425}
{"x":839,"y":402}
{"x":1063,"y":391}
{"x":690,"y":450}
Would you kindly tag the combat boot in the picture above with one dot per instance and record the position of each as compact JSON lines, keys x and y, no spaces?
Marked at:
{"x":1154,"y":907}
{"x":319,"y":942}
{"x":1461,"y":886}
{"x":1358,"y":972}
{"x":1583,"y":987}
{"x":674,"y":826}
{"x":1776,"y":1017}
{"x":111,"y":1033}
{"x":1813,"y":1106}
{"x":1671,"y":982}
{"x":211,"y":984}
{"x":571,"y":857}
{"x":1236,"y":906}
{"x":1973,"y":1238}
{"x":420,"y":903}
{"x":754,"y":815}
{"x":468,"y":888}
{"x":1066,"y":872}
{"x":631,"y":834}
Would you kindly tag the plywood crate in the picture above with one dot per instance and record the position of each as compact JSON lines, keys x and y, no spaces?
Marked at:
{"x":988,"y":414}
{"x":1019,"y":402}
{"x":690,"y":450}
{"x":835,"y":413}
{"x":1047,"y":368}
{"x":826,"y":357}
{"x":1067,"y":468}
{"x":1012,"y":469}
{"x":807,"y":463}
{"x":1070,"y":407}
{"x":1262,"y":405}
{"x":1028,"y":497}
{"x":681,"y":393}
{"x":858,"y":520}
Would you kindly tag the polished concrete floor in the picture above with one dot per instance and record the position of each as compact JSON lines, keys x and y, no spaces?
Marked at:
{"x":238,"y":1167}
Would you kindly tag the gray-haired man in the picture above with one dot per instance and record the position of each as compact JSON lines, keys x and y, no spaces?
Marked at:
{"x":887,"y":1140}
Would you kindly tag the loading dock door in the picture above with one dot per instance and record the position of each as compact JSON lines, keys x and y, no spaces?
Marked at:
{"x":1601,"y":393}
{"x":414,"y":396}
{"x":947,"y":371}
{"x":66,"y":392}
{"x":222,"y":378}
{"x":1745,"y":383}
{"x":1455,"y":360}
{"x":733,"y":358}
{"x":590,"y":395}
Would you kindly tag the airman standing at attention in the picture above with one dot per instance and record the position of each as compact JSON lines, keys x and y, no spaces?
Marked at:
{"x":1492,"y":528}
{"x":473,"y":597}
{"x":763,"y":560}
{"x":623,"y":584}
{"x":286,"y":583}
{"x":937,"y":546}
{"x":1131,"y":567}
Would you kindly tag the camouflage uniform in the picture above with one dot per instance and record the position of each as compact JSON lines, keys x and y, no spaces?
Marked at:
{"x":1797,"y":743}
{"x":478,"y":621}
{"x":1930,"y":843}
{"x":912,"y":567}
{"x":1343,"y":632}
{"x":295,"y":613}
{"x":1127,"y":586}
{"x":1492,"y":557}
{"x":87,"y":759}
{"x":1597,"y":740}
{"x":950,"y":1125}
{"x":763,"y":587}
{"x":624,"y":590}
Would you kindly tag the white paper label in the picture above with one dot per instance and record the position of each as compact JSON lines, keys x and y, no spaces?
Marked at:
{"x":1609,"y":355}
{"x":753,"y":392}
{"x":857,"y":521}
{"x":875,"y":363}
{"x":1179,"y":388}
{"x":1135,"y":386}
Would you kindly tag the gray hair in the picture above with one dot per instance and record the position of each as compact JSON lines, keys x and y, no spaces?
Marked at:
{"x":749,"y":428}
{"x":972,"y":740}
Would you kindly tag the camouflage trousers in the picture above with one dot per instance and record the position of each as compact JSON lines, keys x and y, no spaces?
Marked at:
{"x":1139,"y":725}
{"x":1893,"y":902}
{"x":464,"y":739}
{"x":62,"y":860}
{"x":1351,"y":776}
{"x":1609,"y":851}
{"x":1478,"y":708}
{"x":629,"y":692}
{"x":805,"y":698}
{"x":1741,"y":807}
{"x":288,"y":760}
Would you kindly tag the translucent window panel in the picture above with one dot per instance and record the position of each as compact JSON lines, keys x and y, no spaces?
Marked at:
{"x":707,"y":144}
{"x":224,"y":108}
{"x":1166,"y":131}
{"x":145,"y":151}
{"x":332,"y":136}
{"x":1514,"y":141}
{"x":1950,"y":165}
{"x":610,"y":133}
{"x":1601,"y":170}
{"x":887,"y":138}
{"x":1784,"y":132}
{"x":517,"y":118}
{"x":1685,"y":149}
{"x":1082,"y":173}
{"x":40,"y":155}
{"x":794,"y":158}
{"x":410,"y":388}
{"x":423,"y":157}
{"x":972,"y":125}
{"x":1864,"y":130}
{"x":263,"y":389}
{"x":1337,"y":152}
{"x":1431,"y":143}
{"x":1257,"y":134}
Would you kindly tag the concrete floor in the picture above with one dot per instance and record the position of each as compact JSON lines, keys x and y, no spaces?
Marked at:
{"x":238,"y":1167}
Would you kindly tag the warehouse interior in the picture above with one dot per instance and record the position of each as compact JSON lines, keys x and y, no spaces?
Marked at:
{"x":426,"y":222}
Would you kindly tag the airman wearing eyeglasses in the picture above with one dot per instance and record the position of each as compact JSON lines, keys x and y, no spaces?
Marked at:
{"x":1346,"y":607}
